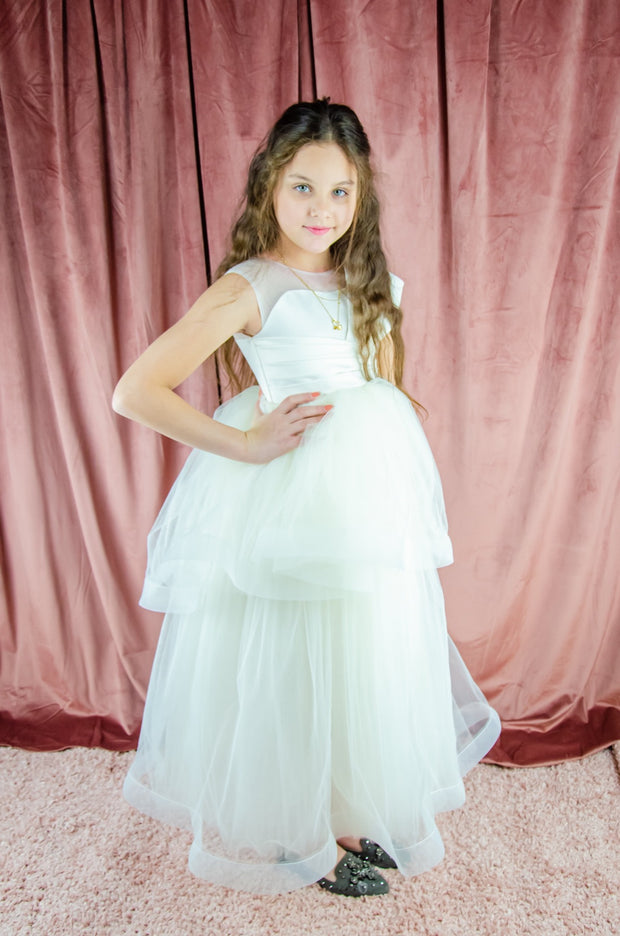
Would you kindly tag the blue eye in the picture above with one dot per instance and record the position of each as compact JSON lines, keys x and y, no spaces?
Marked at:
{"x":340,"y":193}
{"x":302,"y":187}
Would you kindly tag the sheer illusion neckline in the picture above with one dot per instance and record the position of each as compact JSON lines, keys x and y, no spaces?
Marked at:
{"x":287,"y":266}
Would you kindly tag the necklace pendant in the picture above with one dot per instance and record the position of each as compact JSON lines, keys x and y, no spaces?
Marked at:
{"x":337,"y":326}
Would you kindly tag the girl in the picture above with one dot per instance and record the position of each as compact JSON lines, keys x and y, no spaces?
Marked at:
{"x":307,"y":710}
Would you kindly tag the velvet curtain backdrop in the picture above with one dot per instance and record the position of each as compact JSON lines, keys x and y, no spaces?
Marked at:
{"x":126,"y":132}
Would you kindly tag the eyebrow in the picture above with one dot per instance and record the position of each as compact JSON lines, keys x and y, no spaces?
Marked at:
{"x":296,"y":175}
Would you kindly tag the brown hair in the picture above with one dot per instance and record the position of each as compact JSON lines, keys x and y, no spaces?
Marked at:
{"x":358,"y":251}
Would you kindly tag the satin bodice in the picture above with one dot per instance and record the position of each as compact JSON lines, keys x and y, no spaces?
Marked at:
{"x":297,"y":349}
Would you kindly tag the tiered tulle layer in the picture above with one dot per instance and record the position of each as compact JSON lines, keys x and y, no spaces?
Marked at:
{"x":304,"y":686}
{"x":359,"y":498}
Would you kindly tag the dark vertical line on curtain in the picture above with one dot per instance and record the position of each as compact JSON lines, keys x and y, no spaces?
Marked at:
{"x":444,"y":147}
{"x":199,"y":185}
{"x":65,"y":56}
{"x":126,"y":100}
{"x":107,"y":168}
{"x":307,"y":69}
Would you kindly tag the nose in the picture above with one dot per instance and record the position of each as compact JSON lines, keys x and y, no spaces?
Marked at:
{"x":320,"y":206}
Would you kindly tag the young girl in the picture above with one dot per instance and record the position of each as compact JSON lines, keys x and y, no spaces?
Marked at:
{"x":307,"y":713}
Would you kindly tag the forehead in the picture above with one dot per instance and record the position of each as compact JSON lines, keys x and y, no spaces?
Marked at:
{"x":321,"y":162}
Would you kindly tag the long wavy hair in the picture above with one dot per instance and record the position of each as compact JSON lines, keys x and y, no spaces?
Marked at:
{"x":357,"y":256}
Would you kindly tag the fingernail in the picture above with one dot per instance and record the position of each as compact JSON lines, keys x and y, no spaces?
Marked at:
{"x":329,"y":406}
{"x":318,"y":393}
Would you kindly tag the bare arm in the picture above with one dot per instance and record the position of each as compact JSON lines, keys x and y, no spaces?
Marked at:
{"x":146,"y":391}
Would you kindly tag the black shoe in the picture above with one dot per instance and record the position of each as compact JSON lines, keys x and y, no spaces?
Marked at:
{"x":355,"y":878}
{"x":374,"y":854}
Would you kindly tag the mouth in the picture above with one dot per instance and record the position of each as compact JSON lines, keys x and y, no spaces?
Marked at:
{"x":317,"y":230}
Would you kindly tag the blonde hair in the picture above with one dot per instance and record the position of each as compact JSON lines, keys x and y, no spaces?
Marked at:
{"x":358,"y":251}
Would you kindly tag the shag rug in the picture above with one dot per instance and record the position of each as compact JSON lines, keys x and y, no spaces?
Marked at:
{"x":534,"y":852}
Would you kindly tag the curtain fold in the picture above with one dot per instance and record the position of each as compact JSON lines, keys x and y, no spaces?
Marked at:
{"x":500,"y":148}
{"x":126,"y":133}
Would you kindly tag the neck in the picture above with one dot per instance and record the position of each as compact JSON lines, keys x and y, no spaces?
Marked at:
{"x":300,"y":260}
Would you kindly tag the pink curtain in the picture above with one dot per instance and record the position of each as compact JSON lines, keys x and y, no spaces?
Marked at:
{"x":126,"y":132}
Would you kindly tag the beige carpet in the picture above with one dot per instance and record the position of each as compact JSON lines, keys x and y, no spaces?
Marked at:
{"x":534,"y":852}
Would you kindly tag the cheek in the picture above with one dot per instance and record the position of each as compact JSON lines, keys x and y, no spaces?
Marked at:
{"x":348,"y":214}
{"x":285,"y":209}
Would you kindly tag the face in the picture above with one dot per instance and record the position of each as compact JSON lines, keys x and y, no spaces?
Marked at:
{"x":314,"y":203}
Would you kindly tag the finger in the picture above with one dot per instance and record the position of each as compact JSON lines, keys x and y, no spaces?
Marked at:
{"x":301,"y":426}
{"x":305,"y":413}
{"x":296,"y":399}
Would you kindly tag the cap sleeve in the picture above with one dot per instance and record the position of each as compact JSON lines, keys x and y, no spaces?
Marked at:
{"x":254,"y":272}
{"x":396,"y":286}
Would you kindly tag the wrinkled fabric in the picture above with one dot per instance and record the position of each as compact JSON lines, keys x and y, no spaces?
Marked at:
{"x":126,"y":133}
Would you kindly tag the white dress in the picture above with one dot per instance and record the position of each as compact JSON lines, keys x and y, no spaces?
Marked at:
{"x":304,"y":686}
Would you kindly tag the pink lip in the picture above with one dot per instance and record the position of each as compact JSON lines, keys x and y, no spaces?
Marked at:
{"x":318,"y":230}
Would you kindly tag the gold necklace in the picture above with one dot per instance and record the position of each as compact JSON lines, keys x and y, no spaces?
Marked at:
{"x":336,"y":324}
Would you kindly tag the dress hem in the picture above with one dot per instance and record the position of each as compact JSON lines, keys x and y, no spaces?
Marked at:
{"x":290,"y":875}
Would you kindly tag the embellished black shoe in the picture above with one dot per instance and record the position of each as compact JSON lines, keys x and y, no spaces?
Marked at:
{"x":374,"y":854}
{"x":355,"y":878}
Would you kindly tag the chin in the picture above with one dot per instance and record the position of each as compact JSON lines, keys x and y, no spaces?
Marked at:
{"x":321,"y":242}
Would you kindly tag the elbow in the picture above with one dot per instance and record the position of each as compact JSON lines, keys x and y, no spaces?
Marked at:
{"x":125,"y":398}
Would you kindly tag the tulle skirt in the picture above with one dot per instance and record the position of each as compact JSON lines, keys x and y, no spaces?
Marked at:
{"x":304,"y":686}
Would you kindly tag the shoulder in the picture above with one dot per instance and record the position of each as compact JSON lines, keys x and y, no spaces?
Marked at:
{"x":229,"y":300}
{"x":233,"y":286}
{"x":252,"y":270}
{"x":266,"y":279}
